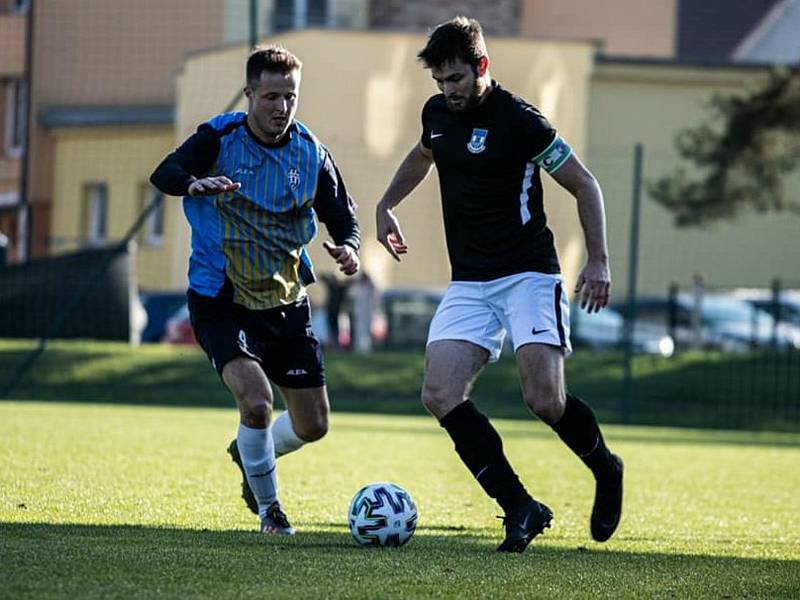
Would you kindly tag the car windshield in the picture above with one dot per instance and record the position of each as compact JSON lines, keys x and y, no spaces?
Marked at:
{"x":724,"y":310}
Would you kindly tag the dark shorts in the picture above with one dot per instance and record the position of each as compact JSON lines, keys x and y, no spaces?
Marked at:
{"x":279,"y":338}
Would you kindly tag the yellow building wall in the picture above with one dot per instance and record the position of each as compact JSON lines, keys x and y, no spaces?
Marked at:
{"x":633,"y":103}
{"x":123,"y":158}
{"x":362,"y":94}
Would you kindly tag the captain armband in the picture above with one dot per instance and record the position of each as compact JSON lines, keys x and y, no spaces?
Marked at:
{"x":555,"y":155}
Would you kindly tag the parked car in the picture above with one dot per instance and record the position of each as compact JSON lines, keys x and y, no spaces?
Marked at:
{"x":407,"y":314}
{"x":159,"y":306}
{"x":606,"y":330}
{"x":786,"y":309}
{"x":178,"y":329}
{"x":723,"y":322}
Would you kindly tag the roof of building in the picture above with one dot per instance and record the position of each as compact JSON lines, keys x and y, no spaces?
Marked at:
{"x":106,"y":116}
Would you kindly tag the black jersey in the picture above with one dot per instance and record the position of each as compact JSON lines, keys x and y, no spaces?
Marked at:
{"x":489,"y":159}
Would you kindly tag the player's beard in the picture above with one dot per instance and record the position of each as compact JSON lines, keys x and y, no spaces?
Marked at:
{"x":471,"y":101}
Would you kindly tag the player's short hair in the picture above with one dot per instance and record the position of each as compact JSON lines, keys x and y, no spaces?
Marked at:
{"x":272,"y":57}
{"x":459,"y":38}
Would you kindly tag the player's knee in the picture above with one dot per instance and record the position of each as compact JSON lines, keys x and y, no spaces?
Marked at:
{"x":313,"y":430}
{"x":255,"y":409}
{"x":545,"y":400}
{"x":436,"y":397}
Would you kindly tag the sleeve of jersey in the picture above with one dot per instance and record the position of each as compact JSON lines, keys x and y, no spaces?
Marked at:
{"x":425,"y":140}
{"x":335,"y":207}
{"x":542,"y":143}
{"x":192,"y":160}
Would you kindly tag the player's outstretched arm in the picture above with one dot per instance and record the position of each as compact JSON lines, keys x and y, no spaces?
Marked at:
{"x":414,"y":168}
{"x":182,"y":173}
{"x":594,"y":281}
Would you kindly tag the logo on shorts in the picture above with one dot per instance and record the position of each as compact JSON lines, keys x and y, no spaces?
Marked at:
{"x":293,"y":175}
{"x":243,"y":342}
{"x":296,"y":372}
{"x":535,"y":331}
{"x":477,"y":143}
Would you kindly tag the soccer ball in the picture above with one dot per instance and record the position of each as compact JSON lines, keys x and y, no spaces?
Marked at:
{"x":382,"y":514}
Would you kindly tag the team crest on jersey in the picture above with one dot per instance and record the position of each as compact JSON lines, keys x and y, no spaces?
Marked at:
{"x":477,"y":143}
{"x":293,"y":175}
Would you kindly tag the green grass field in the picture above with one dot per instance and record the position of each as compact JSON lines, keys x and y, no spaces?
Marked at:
{"x":102,"y":501}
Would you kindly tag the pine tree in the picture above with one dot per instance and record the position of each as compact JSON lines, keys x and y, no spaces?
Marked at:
{"x":744,"y":163}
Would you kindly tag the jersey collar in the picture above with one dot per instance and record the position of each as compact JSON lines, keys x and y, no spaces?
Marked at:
{"x":279,"y":144}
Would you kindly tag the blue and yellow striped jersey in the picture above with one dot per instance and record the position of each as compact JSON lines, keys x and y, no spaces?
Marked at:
{"x":256,"y":236}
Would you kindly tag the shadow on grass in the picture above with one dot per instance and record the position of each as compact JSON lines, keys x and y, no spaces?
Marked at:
{"x":55,"y":560}
{"x":747,"y":391}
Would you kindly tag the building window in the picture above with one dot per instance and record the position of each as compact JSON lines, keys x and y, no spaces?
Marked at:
{"x":16,"y":102}
{"x":296,"y":14}
{"x":20,"y":6}
{"x":153,"y":228}
{"x":95,"y":213}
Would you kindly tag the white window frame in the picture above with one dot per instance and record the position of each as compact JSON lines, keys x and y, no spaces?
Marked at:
{"x":95,"y":197}
{"x":151,"y":237}
{"x":16,"y":100}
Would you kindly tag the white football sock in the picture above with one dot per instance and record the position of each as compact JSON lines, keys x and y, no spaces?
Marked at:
{"x":286,"y":440}
{"x":258,"y":458}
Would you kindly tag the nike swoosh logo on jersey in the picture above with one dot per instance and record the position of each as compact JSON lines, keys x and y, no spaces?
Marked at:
{"x":435,"y":135}
{"x":535,"y":331}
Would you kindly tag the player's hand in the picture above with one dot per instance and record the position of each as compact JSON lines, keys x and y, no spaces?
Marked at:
{"x":389,"y":234}
{"x":345,"y":256}
{"x":594,"y":285}
{"x":209,"y":186}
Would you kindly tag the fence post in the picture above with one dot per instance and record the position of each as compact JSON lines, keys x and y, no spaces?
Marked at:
{"x":253,"y":23}
{"x":672,"y":311}
{"x":697,"y":307}
{"x":3,"y":250}
{"x":633,"y":266}
{"x":776,"y":310}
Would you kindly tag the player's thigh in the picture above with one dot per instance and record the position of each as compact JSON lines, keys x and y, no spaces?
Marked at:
{"x":450,"y":368}
{"x":309,"y":409}
{"x":533,"y":308}
{"x":245,"y":379}
{"x":464,"y":315}
{"x":541,"y":372}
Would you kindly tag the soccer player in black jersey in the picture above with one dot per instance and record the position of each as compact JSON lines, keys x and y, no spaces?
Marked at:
{"x":489,"y":147}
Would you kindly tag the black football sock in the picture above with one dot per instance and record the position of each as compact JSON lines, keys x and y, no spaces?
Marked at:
{"x":579,"y":430}
{"x":481,"y":449}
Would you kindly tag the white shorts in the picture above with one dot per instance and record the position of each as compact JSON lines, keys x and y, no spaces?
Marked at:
{"x":531,"y":307}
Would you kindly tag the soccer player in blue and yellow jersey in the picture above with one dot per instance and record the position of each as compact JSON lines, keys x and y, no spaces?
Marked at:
{"x":253,"y":184}
{"x":489,"y":147}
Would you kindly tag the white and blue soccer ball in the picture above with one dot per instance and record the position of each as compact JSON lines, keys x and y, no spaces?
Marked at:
{"x":382,"y":514}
